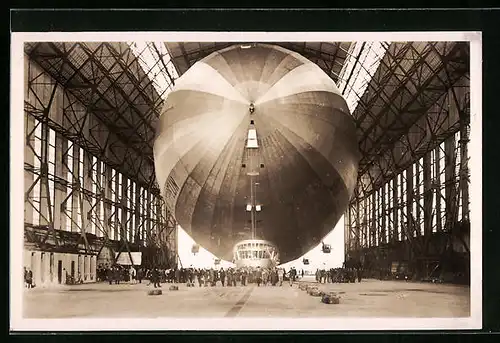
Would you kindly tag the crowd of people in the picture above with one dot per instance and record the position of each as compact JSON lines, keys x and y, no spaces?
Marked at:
{"x":211,"y":277}
{"x":203,"y":277}
{"x":28,"y":278}
{"x":338,"y":275}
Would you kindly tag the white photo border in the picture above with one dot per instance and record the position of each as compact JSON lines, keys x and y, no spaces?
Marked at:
{"x":18,"y":323}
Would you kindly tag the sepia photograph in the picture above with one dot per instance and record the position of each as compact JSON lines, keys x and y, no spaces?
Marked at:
{"x":245,"y":180}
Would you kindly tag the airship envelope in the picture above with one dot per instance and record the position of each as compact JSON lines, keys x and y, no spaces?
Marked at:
{"x":257,"y":127}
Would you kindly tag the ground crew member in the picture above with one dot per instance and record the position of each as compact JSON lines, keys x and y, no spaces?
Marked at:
{"x":222,"y":275}
{"x":258,"y":276}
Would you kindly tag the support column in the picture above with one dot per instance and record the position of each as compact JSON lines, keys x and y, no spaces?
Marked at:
{"x":451,"y":212}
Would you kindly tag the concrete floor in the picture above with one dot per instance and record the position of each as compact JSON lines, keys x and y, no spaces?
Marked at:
{"x":370,"y":298}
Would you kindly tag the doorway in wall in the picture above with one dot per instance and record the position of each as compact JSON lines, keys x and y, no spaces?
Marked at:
{"x":33,"y":265}
{"x":42,"y":267}
{"x":73,"y":270}
{"x":59,"y":271}
{"x":51,"y":267}
{"x":79,"y":270}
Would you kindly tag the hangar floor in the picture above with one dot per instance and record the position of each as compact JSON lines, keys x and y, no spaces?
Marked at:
{"x":370,"y":298}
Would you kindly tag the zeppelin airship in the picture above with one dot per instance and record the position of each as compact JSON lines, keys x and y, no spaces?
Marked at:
{"x":256,"y":143}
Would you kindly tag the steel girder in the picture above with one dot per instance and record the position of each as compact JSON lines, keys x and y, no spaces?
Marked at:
{"x":421,"y":122}
{"x":441,"y":97}
{"x":403,"y":90}
{"x":101,"y":90}
{"x":330,"y":61}
{"x":78,"y":122}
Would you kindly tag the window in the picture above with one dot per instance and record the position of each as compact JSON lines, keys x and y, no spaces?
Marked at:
{"x":159,"y":71}
{"x":377,"y":210}
{"x":457,"y":153}
{"x":458,"y":169}
{"x":420,"y":212}
{"x":365,"y":223}
{"x":52,"y":168}
{"x":368,"y":220}
{"x":433,"y":164}
{"x":113,"y":199}
{"x":95,"y":191}
{"x":373,"y":224}
{"x":442,"y":184}
{"x":134,"y":219}
{"x":35,"y":193}
{"x":405,"y":220}
{"x":101,"y":219}
{"x":140,"y":219}
{"x":362,"y":62}
{"x":120,"y":188}
{"x":397,"y":206}
{"x":81,"y":168}
{"x":102,"y":173}
{"x":118,"y":224}
{"x":252,"y":139}
{"x":414,"y":219}
{"x":69,"y":188}
{"x":387,"y":213}
{"x":77,"y":197}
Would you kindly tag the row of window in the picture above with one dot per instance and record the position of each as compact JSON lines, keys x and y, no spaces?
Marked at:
{"x":254,"y":245}
{"x":252,"y":254}
{"x":81,"y":169}
{"x":397,"y":208}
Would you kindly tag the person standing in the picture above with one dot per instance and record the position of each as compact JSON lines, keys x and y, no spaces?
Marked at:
{"x":198,"y":274}
{"x":140,"y":275}
{"x":29,"y":278}
{"x":191,"y":276}
{"x":258,"y":276}
{"x":132,"y":274}
{"x":177,"y":274}
{"x":222,"y":275}
{"x":265,"y":277}
{"x":280,"y":276}
{"x":244,"y":278}
{"x":156,"y":278}
{"x":117,"y":275}
{"x":229,"y":277}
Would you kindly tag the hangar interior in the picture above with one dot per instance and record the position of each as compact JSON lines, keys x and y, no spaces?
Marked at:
{"x":91,"y":111}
